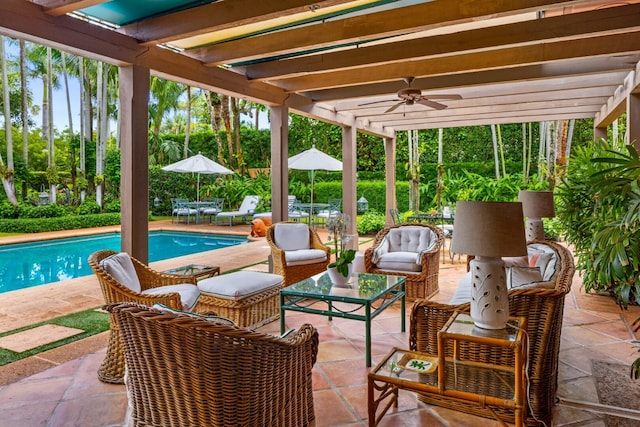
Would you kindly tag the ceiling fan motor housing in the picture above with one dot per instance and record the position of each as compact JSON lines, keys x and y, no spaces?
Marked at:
{"x":410,"y":94}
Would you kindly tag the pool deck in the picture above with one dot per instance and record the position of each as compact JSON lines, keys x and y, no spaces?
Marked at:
{"x":60,"y":387}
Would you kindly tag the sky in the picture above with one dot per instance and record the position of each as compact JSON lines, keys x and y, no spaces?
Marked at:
{"x":60,"y":117}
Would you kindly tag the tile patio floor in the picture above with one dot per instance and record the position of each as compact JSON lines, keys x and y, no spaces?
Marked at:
{"x":60,"y":387}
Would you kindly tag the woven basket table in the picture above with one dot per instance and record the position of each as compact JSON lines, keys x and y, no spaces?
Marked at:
{"x":249,"y":298}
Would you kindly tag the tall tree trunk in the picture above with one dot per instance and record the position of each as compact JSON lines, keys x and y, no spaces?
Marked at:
{"x":236,"y":135}
{"x":214,"y":110}
{"x":69,"y":117}
{"x":7,"y":173}
{"x":414,"y":171}
{"x":256,"y":119}
{"x":49,"y":112}
{"x":525,"y":178}
{"x":529,"y":150}
{"x":83,"y":127}
{"x":496,"y":159}
{"x":226,"y":119}
{"x":501,"y":147}
{"x":440,"y":169}
{"x":187,"y":132}
{"x":99,"y":147}
{"x":24,"y":111}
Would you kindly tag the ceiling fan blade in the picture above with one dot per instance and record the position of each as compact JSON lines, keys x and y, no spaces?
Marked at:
{"x":394,"y":107}
{"x":442,"y":96}
{"x":432,"y":104}
{"x":376,"y":102}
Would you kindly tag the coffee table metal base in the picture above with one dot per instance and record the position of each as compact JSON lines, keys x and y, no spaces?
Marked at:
{"x":307,"y":302}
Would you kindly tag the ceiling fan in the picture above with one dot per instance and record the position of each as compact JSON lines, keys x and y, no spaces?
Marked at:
{"x":410,"y":96}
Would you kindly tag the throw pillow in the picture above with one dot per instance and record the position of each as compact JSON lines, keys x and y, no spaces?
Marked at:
{"x":540,"y":260}
{"x":519,"y":276}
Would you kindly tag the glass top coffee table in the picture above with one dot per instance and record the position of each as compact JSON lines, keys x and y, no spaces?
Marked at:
{"x":366,"y":295}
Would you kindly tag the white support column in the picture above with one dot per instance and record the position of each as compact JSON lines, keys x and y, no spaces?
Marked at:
{"x":279,"y":163}
{"x":633,"y":120}
{"x":134,"y":143}
{"x":349,"y":167}
{"x":390,"y":176}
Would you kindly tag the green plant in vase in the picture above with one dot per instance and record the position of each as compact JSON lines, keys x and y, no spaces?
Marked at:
{"x":337,"y":229}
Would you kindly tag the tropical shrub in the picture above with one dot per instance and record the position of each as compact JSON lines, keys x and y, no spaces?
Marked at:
{"x":599,"y":204}
{"x":371,"y":222}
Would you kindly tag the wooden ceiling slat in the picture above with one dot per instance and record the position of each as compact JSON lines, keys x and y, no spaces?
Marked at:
{"x":217,"y":16}
{"x":610,"y":45}
{"x":364,"y":28}
{"x":62,"y":7}
{"x":605,"y":21}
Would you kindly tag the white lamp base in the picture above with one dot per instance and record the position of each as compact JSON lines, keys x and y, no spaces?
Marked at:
{"x":534,"y":229}
{"x":489,"y":294}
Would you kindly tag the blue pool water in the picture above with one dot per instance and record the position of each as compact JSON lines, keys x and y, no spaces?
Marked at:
{"x":30,"y":264}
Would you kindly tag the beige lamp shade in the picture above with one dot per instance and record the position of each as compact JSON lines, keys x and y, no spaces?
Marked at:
{"x":537,"y":204}
{"x":489,"y":229}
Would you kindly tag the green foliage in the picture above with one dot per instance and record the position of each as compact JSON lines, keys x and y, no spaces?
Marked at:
{"x":8,"y":210}
{"x":113,"y":206}
{"x":371,"y":222}
{"x":89,"y":207}
{"x":29,"y":225}
{"x":599,"y":204}
{"x":52,"y":210}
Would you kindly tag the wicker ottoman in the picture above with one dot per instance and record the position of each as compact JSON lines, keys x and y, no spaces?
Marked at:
{"x":249,"y":298}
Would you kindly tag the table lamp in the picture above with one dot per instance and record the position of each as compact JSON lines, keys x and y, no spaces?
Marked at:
{"x":535,"y":206}
{"x":489,"y":231}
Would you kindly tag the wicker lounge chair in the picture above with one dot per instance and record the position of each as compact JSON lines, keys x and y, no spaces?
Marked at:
{"x":543,"y":306}
{"x":185,"y":371}
{"x":296,"y":258}
{"x":414,"y":255}
{"x":113,"y":290}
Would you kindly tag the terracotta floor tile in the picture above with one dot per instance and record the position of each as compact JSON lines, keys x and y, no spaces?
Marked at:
{"x":38,"y":415}
{"x":331,"y":410}
{"x":585,"y":336}
{"x":338,"y":350}
{"x":346,"y":373}
{"x":100,"y":410}
{"x":35,"y":337}
{"x":28,"y":391}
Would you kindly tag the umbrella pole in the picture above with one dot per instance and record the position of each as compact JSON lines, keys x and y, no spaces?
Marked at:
{"x":198,"y":189}
{"x":311,"y":209}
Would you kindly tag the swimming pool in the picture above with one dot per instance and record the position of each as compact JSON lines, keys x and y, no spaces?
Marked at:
{"x":30,"y":264}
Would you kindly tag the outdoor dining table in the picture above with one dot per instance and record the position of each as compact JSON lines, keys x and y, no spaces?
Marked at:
{"x":308,"y":207}
{"x":198,"y":206}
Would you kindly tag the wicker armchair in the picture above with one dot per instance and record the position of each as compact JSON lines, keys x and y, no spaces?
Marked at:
{"x":543,"y":308}
{"x":419,"y":284}
{"x":184,"y":371}
{"x":297,"y":270}
{"x":112,"y":368}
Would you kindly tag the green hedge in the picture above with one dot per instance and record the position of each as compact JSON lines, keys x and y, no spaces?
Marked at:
{"x":24,"y":225}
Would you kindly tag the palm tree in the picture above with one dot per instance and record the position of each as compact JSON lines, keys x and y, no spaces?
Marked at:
{"x":165,"y":97}
{"x":8,"y":170}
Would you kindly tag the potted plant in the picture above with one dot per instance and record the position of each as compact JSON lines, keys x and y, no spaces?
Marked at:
{"x":337,"y":229}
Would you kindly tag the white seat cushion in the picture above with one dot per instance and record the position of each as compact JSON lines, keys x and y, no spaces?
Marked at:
{"x":402,"y":261}
{"x":121,"y":268}
{"x":188,"y":293}
{"x":305,"y":256}
{"x":291,"y":237}
{"x":239,"y":284}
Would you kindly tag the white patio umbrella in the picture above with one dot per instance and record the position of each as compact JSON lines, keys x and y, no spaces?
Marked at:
{"x":198,"y":164}
{"x":313,"y":160}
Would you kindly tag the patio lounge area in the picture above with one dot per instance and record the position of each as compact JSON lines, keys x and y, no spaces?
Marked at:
{"x":61,"y":388}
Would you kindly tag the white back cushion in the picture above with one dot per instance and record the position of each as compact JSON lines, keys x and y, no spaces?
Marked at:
{"x":291,"y":237}
{"x":121,"y":268}
{"x":411,"y":239}
{"x":249,"y":204}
